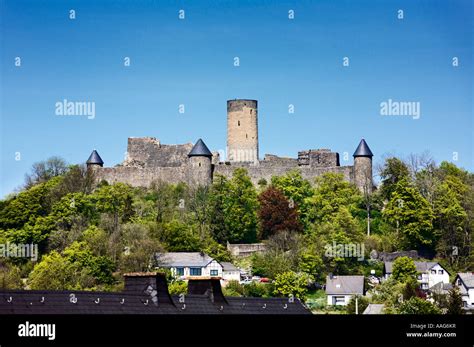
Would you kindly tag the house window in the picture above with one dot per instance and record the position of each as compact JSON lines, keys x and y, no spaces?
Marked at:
{"x":433,"y":272}
{"x":424,"y":286}
{"x":440,"y":272}
{"x":214,"y":272}
{"x":180,"y":271}
{"x":419,"y":277}
{"x":195,"y":271}
{"x":339,"y":300}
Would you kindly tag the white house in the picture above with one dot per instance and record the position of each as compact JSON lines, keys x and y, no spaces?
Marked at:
{"x":230,"y":272}
{"x":186,"y":264}
{"x":340,"y":289}
{"x":429,"y":273}
{"x":465,"y":282}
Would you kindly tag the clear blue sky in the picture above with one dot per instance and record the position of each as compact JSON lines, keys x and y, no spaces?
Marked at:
{"x":190,"y":62}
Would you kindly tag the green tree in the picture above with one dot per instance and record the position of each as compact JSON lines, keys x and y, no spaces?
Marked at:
{"x":241,"y":212}
{"x":331,"y":194}
{"x":416,"y":305}
{"x":362,"y":303}
{"x":296,"y":189}
{"x":56,"y":272}
{"x":10,"y":277}
{"x":403,"y":269}
{"x":455,"y":304}
{"x":393,"y":171}
{"x":292,"y":283}
{"x":411,"y":215}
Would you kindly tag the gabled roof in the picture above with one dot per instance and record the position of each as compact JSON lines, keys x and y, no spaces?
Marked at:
{"x":467,"y":278}
{"x":345,"y":285}
{"x":183,"y":259}
{"x":95,"y":158}
{"x":363,"y":150}
{"x":200,"y":150}
{"x":421,"y":266}
{"x":441,"y":287}
{"x":229,"y":266}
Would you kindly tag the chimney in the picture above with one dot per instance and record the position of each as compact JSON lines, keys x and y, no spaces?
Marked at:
{"x":153,"y":284}
{"x":209,"y":286}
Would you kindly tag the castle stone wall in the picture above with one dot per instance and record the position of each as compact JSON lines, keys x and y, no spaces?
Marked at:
{"x":142,"y":177}
{"x":149,"y":152}
{"x":268,"y":169}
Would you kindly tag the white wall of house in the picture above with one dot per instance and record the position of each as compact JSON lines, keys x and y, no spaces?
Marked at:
{"x":468,"y":294}
{"x":437,"y":274}
{"x":231,"y":275}
{"x":211,"y":269}
{"x":470,"y":297}
{"x":339,"y":299}
{"x":433,"y":276}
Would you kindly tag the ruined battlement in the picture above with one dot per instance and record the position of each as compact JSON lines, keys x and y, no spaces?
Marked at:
{"x":149,"y":160}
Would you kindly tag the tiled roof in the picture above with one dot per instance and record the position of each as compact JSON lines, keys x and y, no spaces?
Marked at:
{"x":467,"y":278}
{"x":144,"y":294}
{"x":229,"y":266}
{"x":200,"y":149}
{"x":182,"y":259}
{"x":95,"y":158}
{"x":344,"y":285}
{"x":363,"y":150}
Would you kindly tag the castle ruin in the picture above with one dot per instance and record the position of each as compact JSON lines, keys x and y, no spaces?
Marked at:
{"x":149,"y":160}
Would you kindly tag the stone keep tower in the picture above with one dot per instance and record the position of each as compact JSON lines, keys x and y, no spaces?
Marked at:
{"x":363,"y":167}
{"x":242,"y":131}
{"x":200,"y":165}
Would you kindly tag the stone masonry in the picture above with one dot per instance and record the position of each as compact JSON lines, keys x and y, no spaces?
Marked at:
{"x":148,"y":160}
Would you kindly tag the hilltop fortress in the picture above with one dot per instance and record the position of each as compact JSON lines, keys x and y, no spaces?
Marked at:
{"x":149,"y":160}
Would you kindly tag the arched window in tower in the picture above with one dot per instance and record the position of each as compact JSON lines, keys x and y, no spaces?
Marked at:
{"x":246,"y":136}
{"x":251,"y":111}
{"x":199,"y":164}
{"x":238,"y":122}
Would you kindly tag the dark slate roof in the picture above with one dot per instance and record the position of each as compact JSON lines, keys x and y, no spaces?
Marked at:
{"x":144,"y":294}
{"x":345,"y":285}
{"x":363,"y":150}
{"x":467,"y":278}
{"x":95,"y":158}
{"x":200,"y":149}
{"x":182,"y":259}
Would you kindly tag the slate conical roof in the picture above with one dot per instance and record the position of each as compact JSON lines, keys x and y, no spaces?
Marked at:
{"x":95,"y":158}
{"x":200,"y":150}
{"x":363,"y":150}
